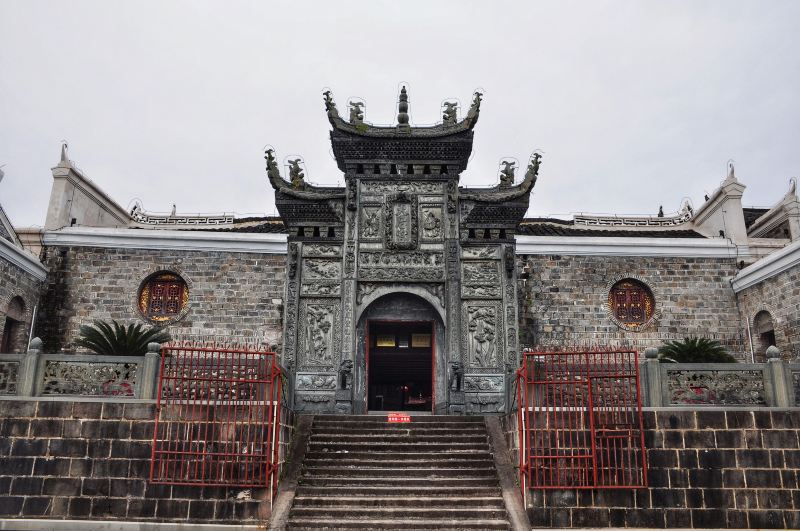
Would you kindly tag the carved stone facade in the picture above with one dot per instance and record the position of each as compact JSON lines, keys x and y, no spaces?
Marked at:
{"x":400,"y":230}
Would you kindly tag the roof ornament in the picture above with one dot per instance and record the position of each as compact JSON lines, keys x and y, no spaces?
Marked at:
{"x":507,"y":173}
{"x":731,"y":172}
{"x":533,"y":169}
{"x":402,"y":108}
{"x":475,"y":108}
{"x":661,"y":211}
{"x":449,"y":113}
{"x":356,"y":112}
{"x":330,"y":106}
{"x":272,"y":164}
{"x":793,"y":186}
{"x":296,"y":174}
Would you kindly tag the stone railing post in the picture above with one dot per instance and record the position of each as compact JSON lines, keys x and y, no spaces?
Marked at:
{"x":149,"y":375}
{"x":778,"y":379}
{"x":650,"y":378}
{"x":28,"y":369}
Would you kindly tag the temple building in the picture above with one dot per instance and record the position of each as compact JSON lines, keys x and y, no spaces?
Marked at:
{"x":403,"y":290}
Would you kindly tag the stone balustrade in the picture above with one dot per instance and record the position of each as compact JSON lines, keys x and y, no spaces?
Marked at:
{"x":775,"y":383}
{"x":36,"y":374}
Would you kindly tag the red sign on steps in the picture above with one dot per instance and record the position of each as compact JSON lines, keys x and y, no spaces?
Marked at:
{"x":398,"y":417}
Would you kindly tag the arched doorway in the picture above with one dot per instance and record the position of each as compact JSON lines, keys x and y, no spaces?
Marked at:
{"x":13,"y":340}
{"x":764,"y":333}
{"x":399,"y":359}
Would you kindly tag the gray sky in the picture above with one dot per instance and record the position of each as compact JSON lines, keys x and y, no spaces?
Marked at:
{"x":635,"y":104}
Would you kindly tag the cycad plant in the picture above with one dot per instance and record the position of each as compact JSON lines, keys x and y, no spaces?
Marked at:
{"x":694,"y":350}
{"x":116,"y":339}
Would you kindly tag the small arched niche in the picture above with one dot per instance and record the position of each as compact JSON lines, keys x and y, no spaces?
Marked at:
{"x":14,"y":338}
{"x":763,"y":334}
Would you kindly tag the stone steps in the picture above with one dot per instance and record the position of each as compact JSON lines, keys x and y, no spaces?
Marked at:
{"x":435,"y":472}
{"x":392,"y":502}
{"x":416,"y":524}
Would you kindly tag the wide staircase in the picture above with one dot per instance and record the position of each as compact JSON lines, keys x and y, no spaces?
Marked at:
{"x":362,"y":472}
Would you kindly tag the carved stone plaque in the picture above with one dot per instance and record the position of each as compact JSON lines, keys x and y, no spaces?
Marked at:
{"x":432,"y":221}
{"x":401,"y":221}
{"x":371,"y":223}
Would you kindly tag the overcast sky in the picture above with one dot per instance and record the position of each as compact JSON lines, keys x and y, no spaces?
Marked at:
{"x":634,"y":104}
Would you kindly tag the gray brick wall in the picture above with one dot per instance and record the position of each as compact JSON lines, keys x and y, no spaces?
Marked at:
{"x":780,"y":296}
{"x":564,"y":299}
{"x":230,"y":294}
{"x":14,"y":282}
{"x":706,"y":469}
{"x":91,"y":460}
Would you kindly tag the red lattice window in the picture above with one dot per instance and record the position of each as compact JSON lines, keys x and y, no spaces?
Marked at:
{"x":631,"y":302}
{"x":163,"y":297}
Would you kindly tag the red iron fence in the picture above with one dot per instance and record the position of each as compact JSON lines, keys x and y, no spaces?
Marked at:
{"x":218,"y":418}
{"x":580,"y":421}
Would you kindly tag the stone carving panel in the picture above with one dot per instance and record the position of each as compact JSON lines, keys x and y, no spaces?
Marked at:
{"x":480,"y":279}
{"x":9,"y":374}
{"x":314,"y":402}
{"x":322,"y":251}
{"x":316,"y":382}
{"x":88,"y":378}
{"x":371,"y":223}
{"x":320,"y":342}
{"x":712,"y":387}
{"x":321,"y":289}
{"x":480,"y":252}
{"x":485,"y":383}
{"x":485,"y":403}
{"x":482,"y":324}
{"x":320,"y":269}
{"x":400,"y":221}
{"x":432,"y":221}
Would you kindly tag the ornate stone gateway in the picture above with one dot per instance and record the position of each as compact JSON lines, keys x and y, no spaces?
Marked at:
{"x":401,"y":241}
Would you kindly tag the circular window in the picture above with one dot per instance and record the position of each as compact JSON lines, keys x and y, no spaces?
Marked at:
{"x":631,"y":304}
{"x":163,"y":297}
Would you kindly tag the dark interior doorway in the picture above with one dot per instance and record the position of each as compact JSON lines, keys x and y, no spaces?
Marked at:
{"x":400,"y":357}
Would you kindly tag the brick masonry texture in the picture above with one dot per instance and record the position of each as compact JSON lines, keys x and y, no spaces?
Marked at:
{"x":91,"y":460}
{"x":14,"y":282}
{"x":706,"y":469}
{"x":563,"y":300}
{"x":780,"y":296}
{"x":230,"y":294}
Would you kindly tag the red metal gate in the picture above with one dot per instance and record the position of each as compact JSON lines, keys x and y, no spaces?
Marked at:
{"x":217,"y":418}
{"x":580,"y":421}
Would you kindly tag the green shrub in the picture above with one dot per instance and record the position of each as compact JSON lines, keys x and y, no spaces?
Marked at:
{"x":694,"y":350}
{"x":117,"y":340}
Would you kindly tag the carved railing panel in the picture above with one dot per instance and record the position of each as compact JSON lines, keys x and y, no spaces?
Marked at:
{"x":88,"y":376}
{"x":710,"y":384}
{"x":9,"y":376}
